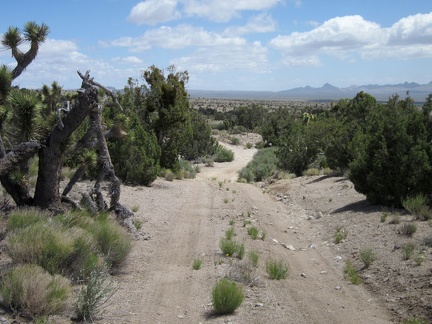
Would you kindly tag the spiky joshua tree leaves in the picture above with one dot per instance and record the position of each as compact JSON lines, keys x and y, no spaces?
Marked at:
{"x":34,"y":34}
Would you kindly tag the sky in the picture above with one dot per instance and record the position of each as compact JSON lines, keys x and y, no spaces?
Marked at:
{"x":260,"y":45}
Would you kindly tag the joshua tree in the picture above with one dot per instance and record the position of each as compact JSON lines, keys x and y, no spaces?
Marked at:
{"x":21,"y":109}
{"x":34,"y":34}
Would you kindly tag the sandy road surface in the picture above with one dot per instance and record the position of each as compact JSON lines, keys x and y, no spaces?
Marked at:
{"x":186,"y":219}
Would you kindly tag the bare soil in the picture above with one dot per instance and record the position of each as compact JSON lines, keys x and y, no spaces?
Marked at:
{"x":185,"y":220}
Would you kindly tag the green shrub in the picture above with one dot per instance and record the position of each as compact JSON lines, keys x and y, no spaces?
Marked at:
{"x":34,"y":292}
{"x":223,"y":154}
{"x":395,"y":219}
{"x":408,"y":229}
{"x":414,"y":321}
{"x":277,"y":269}
{"x":351,"y":273}
{"x":311,"y":172}
{"x":227,"y":296}
{"x":414,"y":204}
{"x":113,"y":241}
{"x":21,"y":218}
{"x":196,"y":264}
{"x":235,"y":141}
{"x":228,"y":247}
{"x":187,"y":170}
{"x":43,"y":244}
{"x":136,"y":156}
{"x":428,"y":240}
{"x":59,"y":250}
{"x":240,"y":250}
{"x":169,"y":175}
{"x":249,"y":145}
{"x":367,"y":256}
{"x":262,"y":166}
{"x":253,"y":232}
{"x":391,"y":159}
{"x":419,"y":258}
{"x":229,"y":233}
{"x":408,"y":250}
{"x":98,"y":289}
{"x":253,"y":257}
{"x":383,"y":217}
{"x":341,"y":234}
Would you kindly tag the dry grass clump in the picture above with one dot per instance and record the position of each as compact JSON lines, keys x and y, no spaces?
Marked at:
{"x":33,"y":292}
{"x":96,"y":292}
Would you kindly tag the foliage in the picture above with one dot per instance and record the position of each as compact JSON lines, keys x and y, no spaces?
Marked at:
{"x":196,"y":264}
{"x":277,"y":269}
{"x":253,"y":232}
{"x":367,"y":256}
{"x":113,"y":241}
{"x":223,"y":154}
{"x":31,"y":290}
{"x":341,"y":234}
{"x":227,"y":296}
{"x":417,"y":205}
{"x":392,"y":156}
{"x":96,"y":292}
{"x":351,"y":273}
{"x":253,"y":257}
{"x":142,"y":151}
{"x":263,"y":165}
{"x":240,"y":251}
{"x":300,"y":147}
{"x":230,"y":233}
{"x":231,"y":247}
{"x":407,"y":229}
{"x":408,"y":250}
{"x":186,"y":170}
{"x":56,"y":249}
{"x":21,"y":218}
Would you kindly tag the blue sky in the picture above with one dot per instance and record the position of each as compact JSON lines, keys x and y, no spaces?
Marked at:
{"x":228,"y":44}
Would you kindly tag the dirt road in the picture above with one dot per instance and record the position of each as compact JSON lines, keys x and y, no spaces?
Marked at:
{"x":186,"y":219}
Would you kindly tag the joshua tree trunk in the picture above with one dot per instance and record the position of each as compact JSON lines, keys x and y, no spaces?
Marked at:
{"x":51,"y":155}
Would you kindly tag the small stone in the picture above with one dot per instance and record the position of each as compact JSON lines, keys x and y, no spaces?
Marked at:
{"x":303,"y":275}
{"x":312,"y":246}
{"x":338,"y":287}
{"x":288,"y":246}
{"x":275,"y":241}
{"x":337,"y":258}
{"x":323,"y":272}
{"x":259,"y":305}
{"x":180,"y":316}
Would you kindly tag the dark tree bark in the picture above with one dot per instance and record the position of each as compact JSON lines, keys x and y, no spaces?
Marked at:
{"x":8,"y":163}
{"x":51,"y":155}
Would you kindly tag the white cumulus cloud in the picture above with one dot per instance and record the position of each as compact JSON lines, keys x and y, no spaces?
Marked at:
{"x":262,"y":23}
{"x":152,"y":12}
{"x":350,"y":36}
{"x":224,"y":10}
{"x":177,"y":37}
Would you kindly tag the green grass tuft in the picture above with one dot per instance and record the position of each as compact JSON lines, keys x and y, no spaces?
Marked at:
{"x":277,"y":269}
{"x":227,"y":296}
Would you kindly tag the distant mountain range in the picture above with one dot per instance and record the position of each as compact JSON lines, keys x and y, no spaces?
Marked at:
{"x":328,"y":92}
